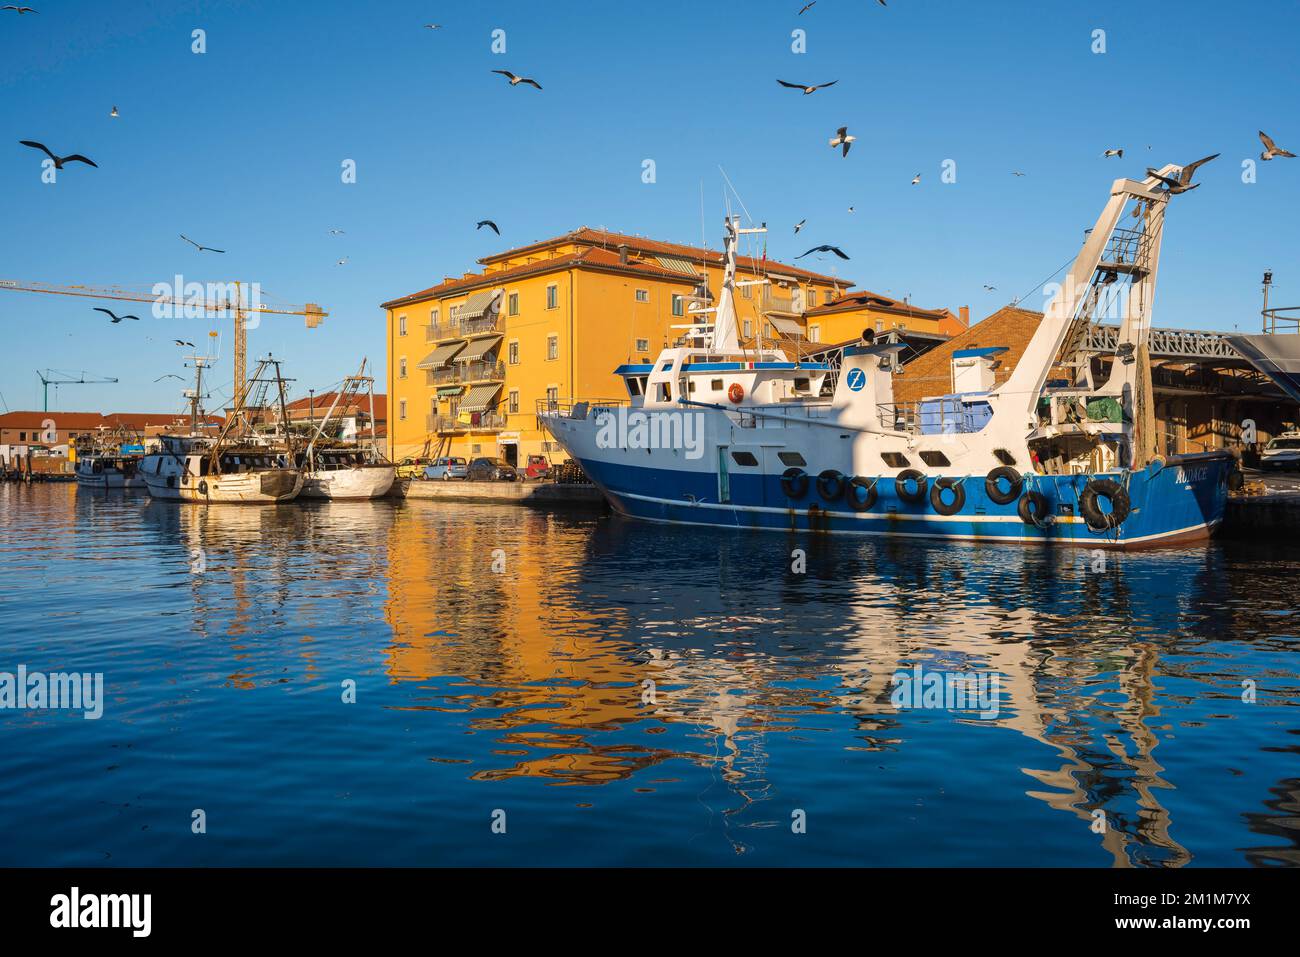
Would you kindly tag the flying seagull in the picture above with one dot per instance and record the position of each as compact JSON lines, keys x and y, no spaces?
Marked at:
{"x":988,"y":288}
{"x":1119,"y":153}
{"x":182,"y":342}
{"x":807,"y":89}
{"x":1017,"y":173}
{"x":433,"y":26}
{"x":336,"y":232}
{"x":798,"y":226}
{"x":489,"y":224}
{"x":20,"y":10}
{"x":58,"y":160}
{"x":824,"y":249}
{"x":342,"y":262}
{"x":170,"y":375}
{"x":807,"y":6}
{"x":113,"y":316}
{"x":850,"y":209}
{"x":1184,"y":181}
{"x":1271,"y":149}
{"x":842,"y":138}
{"x":916,"y":180}
{"x":199,"y":247}
{"x":113,"y":112}
{"x":516,"y":80}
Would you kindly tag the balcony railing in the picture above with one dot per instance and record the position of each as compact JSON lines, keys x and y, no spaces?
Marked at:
{"x":460,"y":328}
{"x":785,"y":304}
{"x":459,"y":372}
{"x":478,"y":422}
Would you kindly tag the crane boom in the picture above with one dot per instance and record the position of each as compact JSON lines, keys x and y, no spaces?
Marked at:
{"x":237,"y":307}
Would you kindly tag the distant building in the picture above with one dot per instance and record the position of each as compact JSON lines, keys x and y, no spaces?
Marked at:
{"x":353,"y":415}
{"x":62,"y":428}
{"x":846,"y":318}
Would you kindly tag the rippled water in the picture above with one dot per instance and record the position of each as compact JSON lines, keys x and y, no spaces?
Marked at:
{"x":226,"y":635}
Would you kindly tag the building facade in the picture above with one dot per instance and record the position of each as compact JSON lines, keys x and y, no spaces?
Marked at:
{"x":469,"y":358}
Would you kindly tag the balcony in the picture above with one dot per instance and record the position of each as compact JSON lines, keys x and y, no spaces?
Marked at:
{"x":783,"y":305}
{"x":463,"y":373}
{"x":461,"y":329}
{"x":478,"y":422}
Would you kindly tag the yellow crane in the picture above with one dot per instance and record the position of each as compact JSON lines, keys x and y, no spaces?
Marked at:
{"x":216,"y":299}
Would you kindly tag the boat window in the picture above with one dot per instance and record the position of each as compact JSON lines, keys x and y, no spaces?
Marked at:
{"x":1005,"y":457}
{"x":634,"y":386}
{"x":791,"y":458}
{"x":690,"y":385}
{"x":895,"y":460}
{"x":744,"y":458}
{"x":934,"y":458}
{"x":715,"y":385}
{"x":801,"y":385}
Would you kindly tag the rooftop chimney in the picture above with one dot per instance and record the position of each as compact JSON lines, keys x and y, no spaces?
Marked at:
{"x":622,"y":254}
{"x":965,"y":316}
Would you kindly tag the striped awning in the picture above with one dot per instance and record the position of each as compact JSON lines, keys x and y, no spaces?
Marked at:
{"x":478,"y":348}
{"x":478,"y":304}
{"x":440,"y":356}
{"x":787,"y":326}
{"x":447,"y":390}
{"x":674,"y":264}
{"x":479,"y":398}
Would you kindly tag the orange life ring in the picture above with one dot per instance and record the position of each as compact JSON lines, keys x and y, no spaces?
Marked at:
{"x":736,"y":393}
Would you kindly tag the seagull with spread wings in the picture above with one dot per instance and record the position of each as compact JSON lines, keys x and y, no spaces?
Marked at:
{"x":1184,"y":181}
{"x":489,"y":224}
{"x":1271,"y":149}
{"x":200,"y":247}
{"x":824,"y":249}
{"x":59,"y":160}
{"x":113,"y":316}
{"x":805,"y":87}
{"x":516,"y":80}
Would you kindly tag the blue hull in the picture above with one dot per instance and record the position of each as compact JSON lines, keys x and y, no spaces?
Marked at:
{"x":1181,"y":500}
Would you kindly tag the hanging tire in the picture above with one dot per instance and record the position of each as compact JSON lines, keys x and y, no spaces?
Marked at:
{"x":1032,"y":508}
{"x":830,"y":485}
{"x":941,"y":485}
{"x":1098,"y":519}
{"x":907,"y":494}
{"x":203,"y":487}
{"x":864,"y":500}
{"x":993,"y":489}
{"x":794,"y":482}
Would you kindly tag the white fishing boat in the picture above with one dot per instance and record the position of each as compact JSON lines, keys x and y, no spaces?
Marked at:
{"x":1063,"y":451}
{"x":110,"y":461}
{"x":340,"y":471}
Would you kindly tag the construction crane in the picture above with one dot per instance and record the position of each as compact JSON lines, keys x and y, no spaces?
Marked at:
{"x":217,"y":299}
{"x":83,"y":378}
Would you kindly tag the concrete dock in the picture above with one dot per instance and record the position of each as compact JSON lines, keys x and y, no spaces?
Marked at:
{"x":541,"y":494}
{"x":1267,"y":508}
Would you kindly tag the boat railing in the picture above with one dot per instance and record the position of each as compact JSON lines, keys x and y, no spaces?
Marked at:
{"x":577,"y":408}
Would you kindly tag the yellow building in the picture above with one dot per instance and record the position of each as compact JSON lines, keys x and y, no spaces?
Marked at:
{"x":469,"y":358}
{"x":847,"y":317}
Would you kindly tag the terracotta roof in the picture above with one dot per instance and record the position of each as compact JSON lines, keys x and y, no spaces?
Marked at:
{"x":77,"y":421}
{"x":601,"y":252}
{"x":931,"y":374}
{"x":320,"y":403}
{"x":864,"y":299}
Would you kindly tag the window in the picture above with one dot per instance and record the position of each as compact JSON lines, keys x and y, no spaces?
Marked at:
{"x":715,"y":385}
{"x":475,"y":449}
{"x":552,"y":347}
{"x":814,"y":333}
{"x":827,"y":297}
{"x":679,"y":305}
{"x":552,"y":297}
{"x":401,"y":325}
{"x":552,"y":394}
{"x":513,"y":353}
{"x":801,"y":385}
{"x":1005,"y":457}
{"x":643,"y":295}
{"x":401,"y":408}
{"x":512,"y":304}
{"x":747,"y":292}
{"x":643,"y":345}
{"x":895,"y":460}
{"x":22,"y":436}
{"x":401,"y":368}
{"x":937,"y":459}
{"x":767,"y":330}
{"x":791,"y":458}
{"x":690,"y":386}
{"x":748,"y":328}
{"x":514,"y":401}
{"x":433,"y":316}
{"x":744,"y":458}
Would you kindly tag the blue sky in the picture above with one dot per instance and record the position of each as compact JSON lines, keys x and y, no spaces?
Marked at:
{"x":241,"y":148}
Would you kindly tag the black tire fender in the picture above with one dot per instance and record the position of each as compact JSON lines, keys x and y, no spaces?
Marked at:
{"x":902,"y":490}
{"x":1090,"y":506}
{"x":794,"y":482}
{"x":830,"y":485}
{"x":994,"y":491}
{"x":868,"y":501}
{"x":958,"y":495}
{"x":1032,"y":508}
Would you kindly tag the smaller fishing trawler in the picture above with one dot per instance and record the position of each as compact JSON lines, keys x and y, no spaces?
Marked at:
{"x":338,"y":470}
{"x":233,"y":467}
{"x":110,"y":461}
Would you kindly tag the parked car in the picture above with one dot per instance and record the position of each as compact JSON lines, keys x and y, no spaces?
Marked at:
{"x":1282,"y":453}
{"x":537,"y":468}
{"x":412,"y":467}
{"x":447,"y":468}
{"x":492,"y":470}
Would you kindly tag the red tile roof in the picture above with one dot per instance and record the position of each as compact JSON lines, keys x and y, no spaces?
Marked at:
{"x":865,"y":299}
{"x":79,"y":421}
{"x":601,"y":252}
{"x":320,"y":403}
